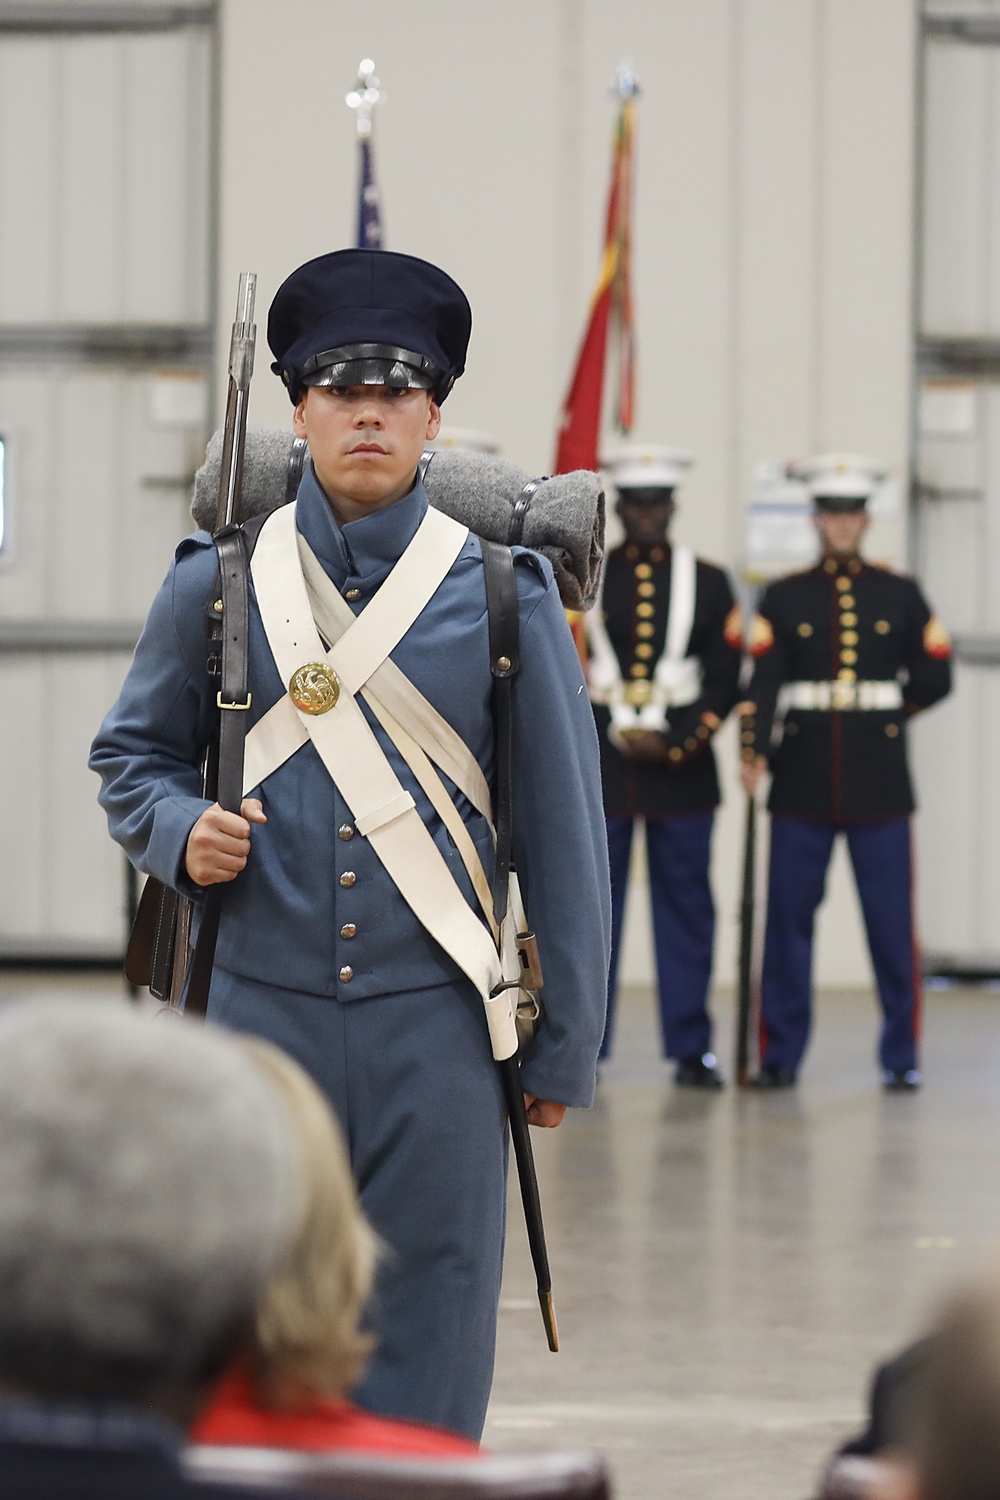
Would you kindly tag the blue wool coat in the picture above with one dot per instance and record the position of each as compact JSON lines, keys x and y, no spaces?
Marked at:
{"x":281,"y":948}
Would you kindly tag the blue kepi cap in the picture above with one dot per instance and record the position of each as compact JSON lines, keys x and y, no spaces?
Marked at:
{"x":369,"y":317}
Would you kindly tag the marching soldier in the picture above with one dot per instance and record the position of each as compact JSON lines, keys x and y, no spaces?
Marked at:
{"x":348,"y":940}
{"x":844,"y":655}
{"x":664,"y":659}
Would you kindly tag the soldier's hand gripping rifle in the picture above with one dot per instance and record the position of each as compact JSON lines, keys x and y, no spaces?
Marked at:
{"x":748,"y":912}
{"x":158,"y":945}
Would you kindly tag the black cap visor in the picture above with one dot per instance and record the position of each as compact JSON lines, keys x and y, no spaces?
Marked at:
{"x":372,"y":364}
{"x":840,"y":504}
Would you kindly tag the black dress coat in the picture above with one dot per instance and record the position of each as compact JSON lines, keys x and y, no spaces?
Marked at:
{"x":841,"y":623}
{"x":636,"y":593}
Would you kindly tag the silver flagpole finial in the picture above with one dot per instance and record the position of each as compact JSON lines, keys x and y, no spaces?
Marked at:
{"x":365,"y":95}
{"x":626,"y":84}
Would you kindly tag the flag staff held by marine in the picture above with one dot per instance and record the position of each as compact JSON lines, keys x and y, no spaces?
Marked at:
{"x":611,"y":309}
{"x":660,"y":650}
{"x":364,"y":98}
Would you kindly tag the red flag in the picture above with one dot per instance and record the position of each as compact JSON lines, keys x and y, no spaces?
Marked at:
{"x":579,"y":433}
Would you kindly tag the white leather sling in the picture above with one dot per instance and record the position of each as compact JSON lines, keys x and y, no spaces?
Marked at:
{"x":383,"y":811}
{"x":414,"y":726}
{"x":676,"y":680}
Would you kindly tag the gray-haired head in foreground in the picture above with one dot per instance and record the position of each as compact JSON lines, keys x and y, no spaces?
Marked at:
{"x":147,"y":1188}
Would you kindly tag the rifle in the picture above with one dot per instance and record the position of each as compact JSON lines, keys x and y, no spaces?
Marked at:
{"x":744,"y":1005}
{"x":222,"y":768}
{"x":158,"y":943}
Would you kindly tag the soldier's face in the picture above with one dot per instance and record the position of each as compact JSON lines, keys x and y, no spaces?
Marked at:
{"x":366,"y":440}
{"x":644,"y":520}
{"x":841,"y":530}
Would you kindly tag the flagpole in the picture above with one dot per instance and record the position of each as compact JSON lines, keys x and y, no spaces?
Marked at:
{"x":610,"y":307}
{"x":364,"y":98}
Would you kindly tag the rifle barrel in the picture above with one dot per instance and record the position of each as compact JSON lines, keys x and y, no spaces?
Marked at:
{"x":241,"y":358}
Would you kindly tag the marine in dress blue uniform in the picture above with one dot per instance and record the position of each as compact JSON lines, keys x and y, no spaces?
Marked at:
{"x":317,"y":949}
{"x":845,"y":654}
{"x":656,"y":719}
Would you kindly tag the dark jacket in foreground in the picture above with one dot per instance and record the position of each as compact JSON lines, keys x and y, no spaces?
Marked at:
{"x":850,"y":624}
{"x":686,"y":781}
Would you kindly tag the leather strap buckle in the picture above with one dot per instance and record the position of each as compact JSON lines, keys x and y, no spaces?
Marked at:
{"x":239,"y":708}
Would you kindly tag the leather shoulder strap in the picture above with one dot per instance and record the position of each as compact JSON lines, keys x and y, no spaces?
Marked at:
{"x":505,"y":663}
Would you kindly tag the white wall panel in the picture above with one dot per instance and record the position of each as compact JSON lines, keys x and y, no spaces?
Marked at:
{"x":866,"y":236}
{"x":779,"y":201}
{"x":959,"y":562}
{"x":90,"y":537}
{"x":959,"y":284}
{"x":104,"y":219}
{"x":106,"y":194}
{"x":61,"y":878}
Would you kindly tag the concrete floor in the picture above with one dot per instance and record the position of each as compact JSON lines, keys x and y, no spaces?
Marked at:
{"x":728,"y":1268}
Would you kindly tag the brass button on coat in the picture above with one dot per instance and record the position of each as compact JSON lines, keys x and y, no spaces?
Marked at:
{"x":314,"y":689}
{"x":643,"y":570}
{"x":353,"y":594}
{"x":348,"y":930}
{"x":849,"y":637}
{"x":645,"y":611}
{"x":805,"y":629}
{"x":345,"y":832}
{"x":348,"y":877}
{"x":892,"y":730}
{"x":346,"y":974}
{"x":646,"y":590}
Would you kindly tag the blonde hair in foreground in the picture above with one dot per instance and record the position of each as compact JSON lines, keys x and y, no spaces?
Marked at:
{"x":308,"y":1336}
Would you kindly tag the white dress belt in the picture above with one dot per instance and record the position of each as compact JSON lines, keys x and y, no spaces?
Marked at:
{"x":842,"y":697}
{"x":677,"y":678}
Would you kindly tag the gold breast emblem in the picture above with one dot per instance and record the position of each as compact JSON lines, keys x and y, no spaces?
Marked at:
{"x":314,"y":688}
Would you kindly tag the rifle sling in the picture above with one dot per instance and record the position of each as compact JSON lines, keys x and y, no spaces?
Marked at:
{"x":505,"y":661}
{"x":234,"y":701}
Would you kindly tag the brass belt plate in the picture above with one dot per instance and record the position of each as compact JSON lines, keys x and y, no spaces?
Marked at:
{"x":638,"y":694}
{"x":314,"y":688}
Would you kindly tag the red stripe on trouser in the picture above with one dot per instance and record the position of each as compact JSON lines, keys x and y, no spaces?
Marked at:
{"x":918,"y":975}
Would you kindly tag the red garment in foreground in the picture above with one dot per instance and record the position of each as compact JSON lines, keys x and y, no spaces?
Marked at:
{"x":234,"y":1417}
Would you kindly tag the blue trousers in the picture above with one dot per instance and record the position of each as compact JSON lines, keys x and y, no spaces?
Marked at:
{"x":413,"y":1082}
{"x":678,"y":851}
{"x":883,"y":869}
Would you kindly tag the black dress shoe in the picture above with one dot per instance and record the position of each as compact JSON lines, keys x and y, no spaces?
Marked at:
{"x":699,"y":1073}
{"x":774,"y":1078}
{"x":901,"y":1083}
